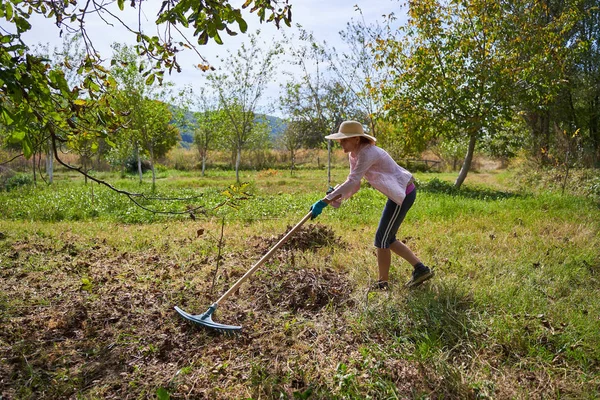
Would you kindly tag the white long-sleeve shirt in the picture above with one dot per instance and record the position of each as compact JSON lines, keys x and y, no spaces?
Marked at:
{"x":380,"y":170}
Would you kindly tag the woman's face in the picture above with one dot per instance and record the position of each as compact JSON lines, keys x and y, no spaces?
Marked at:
{"x":350,"y":144}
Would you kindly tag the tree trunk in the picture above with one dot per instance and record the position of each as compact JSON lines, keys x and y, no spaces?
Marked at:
{"x":539,"y":122}
{"x":50,"y":162}
{"x":33,"y":169}
{"x":152,"y":168}
{"x":595,"y":130}
{"x":85,"y":169}
{"x":139,"y":163}
{"x":545,"y":131}
{"x":292,"y":161}
{"x":464,"y":170}
{"x":238,"y":157}
{"x":203,"y":163}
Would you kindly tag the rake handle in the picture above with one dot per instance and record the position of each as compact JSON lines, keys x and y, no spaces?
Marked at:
{"x":263,"y":259}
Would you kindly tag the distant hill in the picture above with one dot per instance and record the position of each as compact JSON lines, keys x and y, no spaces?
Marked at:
{"x":276,"y":124}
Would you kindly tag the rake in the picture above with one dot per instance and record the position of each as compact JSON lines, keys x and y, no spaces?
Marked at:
{"x":206,"y":320}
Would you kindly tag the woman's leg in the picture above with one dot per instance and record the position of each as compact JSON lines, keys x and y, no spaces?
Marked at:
{"x":385,"y":238}
{"x":405,"y":252}
{"x":384,"y":258}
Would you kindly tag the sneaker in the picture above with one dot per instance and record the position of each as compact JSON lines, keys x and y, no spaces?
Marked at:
{"x":380,"y":285}
{"x":420,"y":274}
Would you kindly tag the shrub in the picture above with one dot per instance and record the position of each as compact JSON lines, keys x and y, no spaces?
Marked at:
{"x":160,"y":168}
{"x":12,"y":181}
{"x":131,"y":165}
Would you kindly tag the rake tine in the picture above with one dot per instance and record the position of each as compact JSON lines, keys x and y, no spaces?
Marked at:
{"x":206,"y":321}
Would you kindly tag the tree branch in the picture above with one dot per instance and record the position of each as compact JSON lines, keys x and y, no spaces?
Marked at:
{"x":11,"y":160}
{"x":130,"y":195}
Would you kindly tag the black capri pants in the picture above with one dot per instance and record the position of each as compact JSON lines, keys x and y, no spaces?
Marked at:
{"x":391,"y":218}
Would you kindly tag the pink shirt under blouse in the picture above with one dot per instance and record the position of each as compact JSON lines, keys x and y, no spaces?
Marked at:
{"x":380,"y":170}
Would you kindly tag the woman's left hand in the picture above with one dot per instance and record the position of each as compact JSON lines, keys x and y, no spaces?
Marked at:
{"x":317,"y":208}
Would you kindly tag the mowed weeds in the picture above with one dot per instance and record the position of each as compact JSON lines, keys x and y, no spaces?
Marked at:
{"x":86,"y":299}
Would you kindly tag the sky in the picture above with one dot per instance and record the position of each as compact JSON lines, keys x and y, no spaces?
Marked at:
{"x":324,"y":18}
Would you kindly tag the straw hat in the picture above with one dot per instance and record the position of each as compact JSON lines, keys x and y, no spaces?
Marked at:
{"x":350,"y":129}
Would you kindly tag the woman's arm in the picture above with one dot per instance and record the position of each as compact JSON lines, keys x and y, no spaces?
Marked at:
{"x":365,"y":159}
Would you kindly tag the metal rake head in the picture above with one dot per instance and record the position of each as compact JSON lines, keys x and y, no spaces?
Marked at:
{"x":206,"y":321}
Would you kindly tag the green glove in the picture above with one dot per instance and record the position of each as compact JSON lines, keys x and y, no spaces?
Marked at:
{"x":317,"y":208}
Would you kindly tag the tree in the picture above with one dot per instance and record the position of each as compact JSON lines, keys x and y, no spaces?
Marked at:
{"x":582,"y":93}
{"x":130,"y":92}
{"x":72,"y":52}
{"x":240,"y":84}
{"x":147,"y":120}
{"x":292,"y":140}
{"x":158,"y":136}
{"x":451,"y":71}
{"x":304,"y":95}
{"x":29,"y":88}
{"x":200,"y":114}
{"x":315,"y":98}
{"x":542,"y":62}
{"x":211,"y":124}
{"x":356,"y":70}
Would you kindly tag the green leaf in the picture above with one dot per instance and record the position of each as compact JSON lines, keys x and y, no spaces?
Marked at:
{"x":243,"y":25}
{"x":7,"y":118}
{"x":27,"y":147}
{"x":9,"y":10}
{"x":163,"y":394}
{"x":121,"y":4}
{"x":110,"y":142}
{"x":16,"y":136}
{"x":22,"y":24}
{"x":203,"y":38}
{"x":86,"y":284}
{"x":150,"y":79}
{"x":217,"y":38}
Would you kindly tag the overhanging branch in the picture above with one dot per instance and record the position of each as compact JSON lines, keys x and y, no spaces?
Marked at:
{"x":11,"y":160}
{"x":132,"y":196}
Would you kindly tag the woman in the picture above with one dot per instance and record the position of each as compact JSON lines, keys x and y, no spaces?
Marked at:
{"x":384,"y":174}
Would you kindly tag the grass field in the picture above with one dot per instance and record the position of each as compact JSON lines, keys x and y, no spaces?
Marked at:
{"x":89,"y":281}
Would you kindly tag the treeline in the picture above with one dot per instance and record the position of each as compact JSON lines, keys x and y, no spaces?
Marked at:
{"x":455,"y":77}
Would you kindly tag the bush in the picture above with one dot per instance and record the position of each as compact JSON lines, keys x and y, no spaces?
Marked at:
{"x":592,"y":187}
{"x":131,"y":165}
{"x":579,"y":181}
{"x":437,"y":185}
{"x":160,"y":168}
{"x":13,"y":181}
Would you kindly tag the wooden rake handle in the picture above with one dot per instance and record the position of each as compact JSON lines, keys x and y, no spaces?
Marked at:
{"x":264,"y":258}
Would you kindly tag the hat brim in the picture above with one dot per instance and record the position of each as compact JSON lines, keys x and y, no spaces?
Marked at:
{"x":340,"y":136}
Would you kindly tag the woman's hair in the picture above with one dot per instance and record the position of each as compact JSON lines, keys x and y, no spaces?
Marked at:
{"x":364,"y":140}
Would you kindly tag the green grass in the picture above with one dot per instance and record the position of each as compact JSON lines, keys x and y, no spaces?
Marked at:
{"x":88,"y":286}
